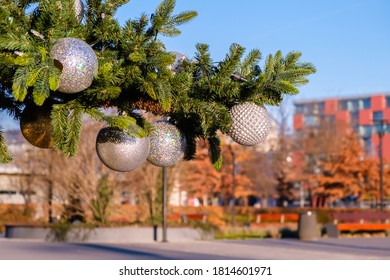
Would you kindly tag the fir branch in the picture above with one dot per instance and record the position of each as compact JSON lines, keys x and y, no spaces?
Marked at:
{"x":19,"y":83}
{"x":182,"y":17}
{"x":13,"y":42}
{"x":169,"y":28}
{"x":41,"y":88}
{"x":127,"y":124}
{"x":73,"y":131}
{"x":120,"y":122}
{"x":95,"y":114}
{"x":282,"y":75}
{"x":165,"y":23}
{"x":140,"y":25}
{"x":165,"y":9}
{"x":23,"y":59}
{"x":215,"y":151}
{"x":292,"y":58}
{"x":5,"y":156}
{"x":281,"y":86}
{"x":269,"y":67}
{"x":203,"y":61}
{"x":113,"y":5}
{"x":59,"y":121}
{"x":248,"y":65}
{"x":54,"y":78}
{"x":190,"y":151}
{"x":231,"y":62}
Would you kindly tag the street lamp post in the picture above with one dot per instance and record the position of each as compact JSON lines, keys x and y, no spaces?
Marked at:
{"x":233,"y":186}
{"x":381,"y":127}
{"x":234,"y":172}
{"x":164,"y":205}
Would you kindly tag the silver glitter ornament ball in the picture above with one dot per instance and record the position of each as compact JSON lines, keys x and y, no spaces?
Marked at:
{"x":119,"y":151}
{"x":167,"y":144}
{"x":251,"y":124}
{"x":78,"y":64}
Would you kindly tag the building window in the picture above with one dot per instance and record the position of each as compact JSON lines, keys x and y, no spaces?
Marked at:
{"x":308,"y":109}
{"x":311,"y":120}
{"x":354,"y":105}
{"x":342,"y":105}
{"x":349,"y":105}
{"x":354,"y":119}
{"x":298,"y":108}
{"x":321,"y":108}
{"x":328,"y":119}
{"x":377,"y":115}
{"x":387,"y":101}
{"x":366,"y":103}
{"x":361,"y":104}
{"x":365,"y":131}
{"x":368,"y":145}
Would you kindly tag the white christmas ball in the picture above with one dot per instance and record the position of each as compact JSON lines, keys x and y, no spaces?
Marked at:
{"x":119,"y":151}
{"x":167,"y":144}
{"x":78,"y":64}
{"x":251,"y":124}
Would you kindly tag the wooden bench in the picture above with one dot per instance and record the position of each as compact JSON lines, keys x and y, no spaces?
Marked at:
{"x":198,"y":217}
{"x":185,"y":218}
{"x":357,"y":221}
{"x":275,"y":218}
{"x":176,"y":218}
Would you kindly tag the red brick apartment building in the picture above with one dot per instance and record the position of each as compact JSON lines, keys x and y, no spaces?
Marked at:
{"x":359,"y":112}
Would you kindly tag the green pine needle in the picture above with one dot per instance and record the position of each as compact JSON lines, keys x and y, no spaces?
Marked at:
{"x":215,"y":152}
{"x":73,"y":131}
{"x":59,"y":121}
{"x":5,"y":156}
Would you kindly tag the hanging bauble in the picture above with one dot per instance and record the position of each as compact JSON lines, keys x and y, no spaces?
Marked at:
{"x":251,"y":124}
{"x":79,"y":9}
{"x":119,"y":151}
{"x":179,"y":57}
{"x":78,"y":64}
{"x":36,"y":127}
{"x":167,"y":144}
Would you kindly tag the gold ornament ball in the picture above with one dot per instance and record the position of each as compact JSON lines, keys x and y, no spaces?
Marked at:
{"x":36,"y":127}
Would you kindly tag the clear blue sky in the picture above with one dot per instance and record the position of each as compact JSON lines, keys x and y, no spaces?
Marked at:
{"x":347,"y":40}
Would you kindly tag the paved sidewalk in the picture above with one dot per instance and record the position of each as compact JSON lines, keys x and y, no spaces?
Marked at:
{"x":274,"y":249}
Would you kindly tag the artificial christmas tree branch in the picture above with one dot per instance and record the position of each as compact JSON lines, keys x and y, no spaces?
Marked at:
{"x":134,"y":72}
{"x":5,"y":156}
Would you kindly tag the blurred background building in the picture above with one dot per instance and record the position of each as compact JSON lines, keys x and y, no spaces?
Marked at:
{"x":357,"y":112}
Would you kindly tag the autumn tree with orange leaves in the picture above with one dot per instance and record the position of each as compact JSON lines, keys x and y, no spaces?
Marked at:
{"x":260,"y":169}
{"x":236,"y":158}
{"x":337,"y":167}
{"x":344,"y":170}
{"x":201,"y":180}
{"x":199,"y":177}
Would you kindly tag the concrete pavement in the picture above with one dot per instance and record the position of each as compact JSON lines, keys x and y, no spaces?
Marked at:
{"x":271,"y":249}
